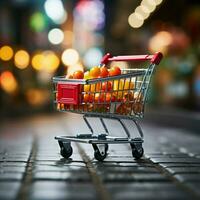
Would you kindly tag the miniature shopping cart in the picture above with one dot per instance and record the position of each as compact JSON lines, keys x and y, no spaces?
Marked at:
{"x":123,"y":98}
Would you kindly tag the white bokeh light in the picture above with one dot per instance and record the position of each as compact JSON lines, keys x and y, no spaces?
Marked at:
{"x":70,"y":57}
{"x":56,"y":36}
{"x":135,"y":20}
{"x":55,"y":10}
{"x":93,"y":57}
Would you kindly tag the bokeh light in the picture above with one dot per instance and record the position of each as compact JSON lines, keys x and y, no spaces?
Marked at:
{"x":8,"y":82}
{"x":135,"y":20}
{"x":92,"y":57}
{"x":6,"y":53}
{"x":70,"y":57}
{"x":158,"y":2}
{"x":37,"y":97}
{"x":47,"y":61}
{"x":37,"y":61}
{"x":56,"y":36}
{"x":160,"y":42}
{"x":91,"y":14}
{"x":142,"y":11}
{"x":55,"y":10}
{"x":151,"y":2}
{"x":21,"y":59}
{"x":50,"y":62}
{"x":149,"y":6}
{"x":37,"y":22}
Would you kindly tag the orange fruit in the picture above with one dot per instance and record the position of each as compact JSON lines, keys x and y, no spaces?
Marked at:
{"x":104,"y":72}
{"x":115,"y":71}
{"x":78,"y":74}
{"x":95,"y":72}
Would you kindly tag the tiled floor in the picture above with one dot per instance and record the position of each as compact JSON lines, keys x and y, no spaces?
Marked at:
{"x":32,"y":168}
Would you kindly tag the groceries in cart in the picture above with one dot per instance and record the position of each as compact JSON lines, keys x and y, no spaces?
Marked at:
{"x":101,"y":95}
{"x":106,"y":91}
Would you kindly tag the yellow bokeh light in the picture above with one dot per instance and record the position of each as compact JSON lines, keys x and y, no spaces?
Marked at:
{"x":37,"y":97}
{"x":6,"y":53}
{"x":151,"y":2}
{"x":145,"y":9}
{"x":139,"y":16}
{"x":149,"y":7}
{"x":70,"y":57}
{"x":21,"y":59}
{"x":37,"y":61}
{"x":51,"y":61}
{"x":135,"y":20}
{"x":8,"y":82}
{"x":46,"y":61}
{"x":141,"y":10}
{"x":158,"y":2}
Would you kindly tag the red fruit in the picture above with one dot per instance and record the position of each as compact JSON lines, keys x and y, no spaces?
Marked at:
{"x":106,"y":86}
{"x":88,"y":98}
{"x":78,"y":74}
{"x":114,"y":71}
{"x":103,"y":72}
{"x":99,"y":97}
{"x":110,"y":97}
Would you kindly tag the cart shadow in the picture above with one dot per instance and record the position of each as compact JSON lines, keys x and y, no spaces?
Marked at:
{"x":63,"y":161}
{"x":113,"y":162}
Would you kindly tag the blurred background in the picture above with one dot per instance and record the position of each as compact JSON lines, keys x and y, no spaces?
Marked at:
{"x":43,"y":38}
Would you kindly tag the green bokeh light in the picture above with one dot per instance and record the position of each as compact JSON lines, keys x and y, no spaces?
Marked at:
{"x":38,"y":22}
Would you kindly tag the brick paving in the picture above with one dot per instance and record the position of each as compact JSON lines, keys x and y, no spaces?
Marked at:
{"x":32,"y":168}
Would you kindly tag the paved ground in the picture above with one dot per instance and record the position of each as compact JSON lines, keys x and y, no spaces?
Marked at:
{"x":31,"y":167}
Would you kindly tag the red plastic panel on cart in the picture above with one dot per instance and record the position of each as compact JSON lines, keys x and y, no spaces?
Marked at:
{"x":68,"y":93}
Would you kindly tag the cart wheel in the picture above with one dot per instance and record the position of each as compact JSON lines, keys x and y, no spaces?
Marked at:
{"x":66,"y":153}
{"x":98,"y":156}
{"x":137,"y":153}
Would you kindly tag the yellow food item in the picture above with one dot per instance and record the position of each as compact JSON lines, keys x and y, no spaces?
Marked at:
{"x":92,"y":87}
{"x":86,"y":88}
{"x":87,"y":75}
{"x":128,"y":85}
{"x":118,"y":86}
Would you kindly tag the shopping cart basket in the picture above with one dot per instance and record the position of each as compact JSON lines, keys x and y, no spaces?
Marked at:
{"x":123,"y":97}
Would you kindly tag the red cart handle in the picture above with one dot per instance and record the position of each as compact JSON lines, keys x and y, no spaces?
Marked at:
{"x":155,"y":59}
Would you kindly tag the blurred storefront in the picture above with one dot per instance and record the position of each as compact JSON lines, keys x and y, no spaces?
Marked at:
{"x":40,"y":39}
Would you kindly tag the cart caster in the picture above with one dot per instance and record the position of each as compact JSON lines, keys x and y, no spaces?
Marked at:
{"x":137,"y":152}
{"x":98,"y":156}
{"x":65,"y":150}
{"x":100,"y":152}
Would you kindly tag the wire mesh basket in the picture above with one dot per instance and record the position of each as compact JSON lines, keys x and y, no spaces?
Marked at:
{"x":116,"y":96}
